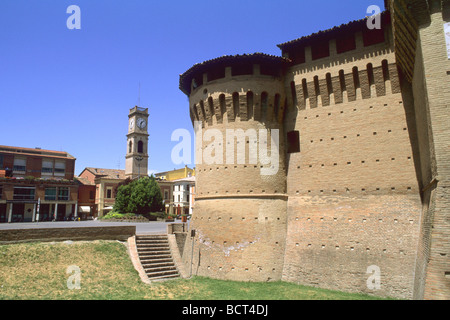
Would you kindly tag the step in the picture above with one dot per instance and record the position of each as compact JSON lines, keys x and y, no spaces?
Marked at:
{"x":169,"y":277}
{"x":154,"y":253}
{"x":156,"y":238}
{"x":153,"y":248}
{"x":159,"y":274}
{"x":158,"y":263}
{"x":152,"y":259}
{"x":160,"y":268}
{"x":156,"y":257}
{"x":152,"y":241}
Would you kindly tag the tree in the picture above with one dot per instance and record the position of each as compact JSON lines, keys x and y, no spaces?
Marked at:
{"x":140,"y":196}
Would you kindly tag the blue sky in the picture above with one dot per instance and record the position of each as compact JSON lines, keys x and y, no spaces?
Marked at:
{"x":71,"y":90}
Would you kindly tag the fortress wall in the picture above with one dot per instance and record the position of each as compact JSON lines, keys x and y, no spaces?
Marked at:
{"x":241,"y":239}
{"x":431,"y":96}
{"x":240,"y":213}
{"x":354,"y":198}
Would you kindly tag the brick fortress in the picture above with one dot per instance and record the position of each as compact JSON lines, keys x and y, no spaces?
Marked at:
{"x":364,"y":159}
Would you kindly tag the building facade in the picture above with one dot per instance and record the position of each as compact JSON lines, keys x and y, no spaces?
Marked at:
{"x":37,"y":185}
{"x":183,"y":195}
{"x":105,"y":182}
{"x":175,"y":174}
{"x":359,"y":118}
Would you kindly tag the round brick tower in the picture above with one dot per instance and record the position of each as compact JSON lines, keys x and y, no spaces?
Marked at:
{"x":237,"y":106}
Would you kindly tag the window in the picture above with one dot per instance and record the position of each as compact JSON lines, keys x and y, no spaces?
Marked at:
{"x":346,"y":43}
{"x":1,"y":162}
{"x":297,"y":55}
{"x":19,"y":165}
{"x":373,"y":36}
{"x":50,"y":193}
{"x":60,"y":168}
{"x":63,"y":194}
{"x":140,"y":147}
{"x":24,"y":193}
{"x":320,"y":50}
{"x":293,"y":140}
{"x":91,"y":195}
{"x":216,"y":73}
{"x":264,"y":105}
{"x":47,"y":166}
{"x":109,"y":193}
{"x":130,"y":147}
{"x":166,"y":195}
{"x":1,"y":191}
{"x":236,"y":104}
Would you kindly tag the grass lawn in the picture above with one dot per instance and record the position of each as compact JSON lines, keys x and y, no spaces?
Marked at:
{"x":35,"y":271}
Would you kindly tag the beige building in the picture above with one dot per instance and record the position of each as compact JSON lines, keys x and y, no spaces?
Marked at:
{"x":175,"y":174}
{"x":105,"y":181}
{"x":183,"y":195}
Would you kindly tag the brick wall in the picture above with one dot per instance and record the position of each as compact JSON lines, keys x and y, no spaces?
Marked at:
{"x":432,"y":93}
{"x":61,"y":234}
{"x":361,"y":191}
{"x":237,"y":239}
{"x":240,"y":214}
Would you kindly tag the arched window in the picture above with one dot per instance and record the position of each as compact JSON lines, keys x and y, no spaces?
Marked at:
{"x":140,"y":147}
{"x":249,"y":105}
{"x":223,"y":107}
{"x":276,"y":106}
{"x":356,"y":77}
{"x":370,"y":74}
{"x":294,"y":94}
{"x":385,"y":66}
{"x":264,"y":105}
{"x":236,"y":104}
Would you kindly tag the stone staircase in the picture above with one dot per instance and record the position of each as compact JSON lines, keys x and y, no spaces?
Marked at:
{"x":156,"y":258}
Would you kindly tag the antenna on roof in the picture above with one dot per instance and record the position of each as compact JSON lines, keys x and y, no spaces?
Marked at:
{"x":139,"y":96}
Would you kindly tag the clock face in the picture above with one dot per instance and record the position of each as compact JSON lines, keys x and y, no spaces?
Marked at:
{"x":141,"y":123}
{"x":131,"y":124}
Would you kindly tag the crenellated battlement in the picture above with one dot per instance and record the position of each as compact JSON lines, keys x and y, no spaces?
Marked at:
{"x":266,"y":107}
{"x":338,"y":86}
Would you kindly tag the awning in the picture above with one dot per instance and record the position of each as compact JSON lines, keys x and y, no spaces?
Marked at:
{"x":84,"y":209}
{"x":108,"y":208}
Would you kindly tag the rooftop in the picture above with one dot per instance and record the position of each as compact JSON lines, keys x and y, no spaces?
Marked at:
{"x":334,"y":32}
{"x":198,"y":69}
{"x":107,"y":173}
{"x":36,"y":152}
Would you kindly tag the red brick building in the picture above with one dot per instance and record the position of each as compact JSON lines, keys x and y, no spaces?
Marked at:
{"x":36,"y":185}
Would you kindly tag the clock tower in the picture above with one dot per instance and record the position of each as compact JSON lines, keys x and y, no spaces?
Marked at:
{"x":136,"y":159}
